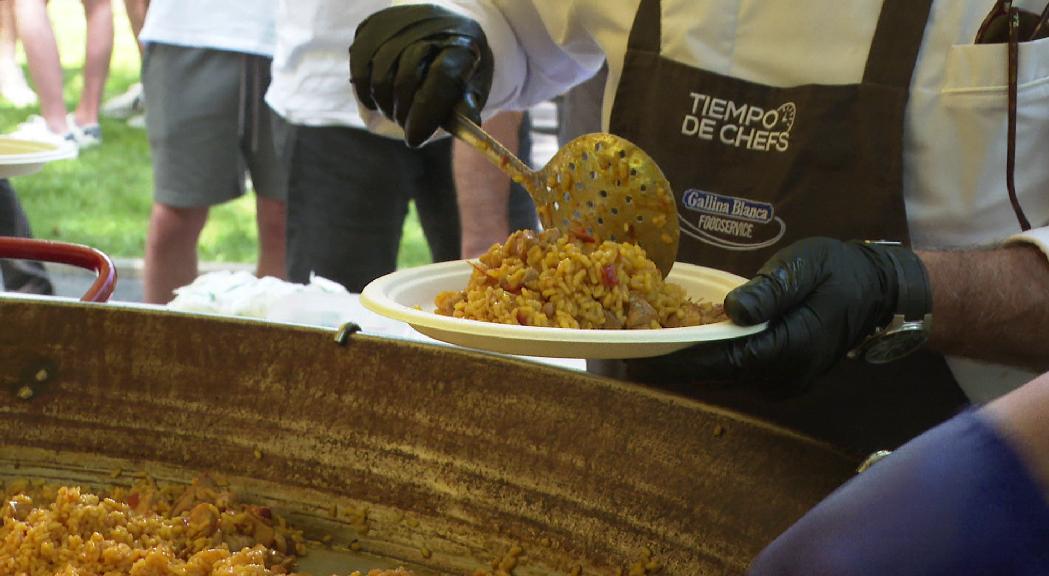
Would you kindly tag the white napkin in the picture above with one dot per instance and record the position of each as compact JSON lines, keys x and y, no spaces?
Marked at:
{"x":322,"y":303}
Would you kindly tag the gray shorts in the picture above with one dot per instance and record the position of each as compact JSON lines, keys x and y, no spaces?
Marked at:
{"x":209,"y":125}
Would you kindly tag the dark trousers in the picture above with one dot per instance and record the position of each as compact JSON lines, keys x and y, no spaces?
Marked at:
{"x":348,"y":195}
{"x":19,"y":275}
{"x":522,"y":209}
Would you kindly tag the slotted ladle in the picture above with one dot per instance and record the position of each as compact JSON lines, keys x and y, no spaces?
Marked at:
{"x":598,"y":185}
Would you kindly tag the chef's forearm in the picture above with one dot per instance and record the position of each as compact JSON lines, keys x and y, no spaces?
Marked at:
{"x":484,"y":190}
{"x":1022,"y":418}
{"x":991,"y":305}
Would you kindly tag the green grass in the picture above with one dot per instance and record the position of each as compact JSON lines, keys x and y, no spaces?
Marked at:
{"x":103,"y":198}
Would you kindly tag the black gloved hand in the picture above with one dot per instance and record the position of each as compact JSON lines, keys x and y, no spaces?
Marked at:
{"x":821,"y":298}
{"x":417,"y":64}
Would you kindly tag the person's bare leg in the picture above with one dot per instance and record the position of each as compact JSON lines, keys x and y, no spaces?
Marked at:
{"x":13,"y":84}
{"x":8,"y":34}
{"x":38,"y":39}
{"x":99,"y":15}
{"x":136,"y":16}
{"x":171,"y":250}
{"x":271,"y":216}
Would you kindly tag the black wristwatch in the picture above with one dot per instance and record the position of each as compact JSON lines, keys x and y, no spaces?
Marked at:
{"x":912,"y":322}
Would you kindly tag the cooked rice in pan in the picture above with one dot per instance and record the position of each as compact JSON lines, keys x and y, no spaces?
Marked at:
{"x":573,"y":281}
{"x":145,"y":532}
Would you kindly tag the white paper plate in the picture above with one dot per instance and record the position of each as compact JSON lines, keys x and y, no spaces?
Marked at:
{"x":401,"y":295}
{"x":22,"y":157}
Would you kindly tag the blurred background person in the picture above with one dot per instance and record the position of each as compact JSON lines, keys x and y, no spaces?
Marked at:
{"x":13,"y":85}
{"x":348,"y":189}
{"x":55,"y":125}
{"x":131,"y":104}
{"x":24,"y":276}
{"x":205,"y":71}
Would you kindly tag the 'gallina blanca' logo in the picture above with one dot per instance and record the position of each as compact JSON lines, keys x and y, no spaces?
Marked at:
{"x":729,"y":222}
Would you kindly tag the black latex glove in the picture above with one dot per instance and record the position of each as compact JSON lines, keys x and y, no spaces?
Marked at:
{"x":419,"y":63}
{"x":821,"y":298}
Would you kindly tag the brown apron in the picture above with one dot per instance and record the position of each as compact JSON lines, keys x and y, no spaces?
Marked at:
{"x":757,"y":167}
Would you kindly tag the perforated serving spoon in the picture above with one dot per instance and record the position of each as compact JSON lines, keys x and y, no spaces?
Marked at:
{"x":598,"y":186}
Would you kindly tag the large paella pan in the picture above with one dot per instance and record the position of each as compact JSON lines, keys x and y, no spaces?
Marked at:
{"x":454,"y":457}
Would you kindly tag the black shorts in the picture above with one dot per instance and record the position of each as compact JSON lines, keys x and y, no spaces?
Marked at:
{"x":348,"y":196}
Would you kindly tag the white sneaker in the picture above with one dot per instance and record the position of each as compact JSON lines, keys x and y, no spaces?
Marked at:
{"x":35,"y":128}
{"x":137,"y":121}
{"x":84,"y":136}
{"x":125,"y":105}
{"x":14,"y":89}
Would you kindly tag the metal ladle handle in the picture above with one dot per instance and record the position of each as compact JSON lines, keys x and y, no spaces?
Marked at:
{"x":466,"y":130}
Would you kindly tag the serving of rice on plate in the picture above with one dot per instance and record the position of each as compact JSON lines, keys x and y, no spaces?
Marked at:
{"x":550,"y":279}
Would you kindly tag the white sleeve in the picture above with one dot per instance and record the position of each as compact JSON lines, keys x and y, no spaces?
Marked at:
{"x":1037,"y":236}
{"x":530,"y":65}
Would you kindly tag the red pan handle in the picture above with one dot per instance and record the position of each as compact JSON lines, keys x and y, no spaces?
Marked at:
{"x":65,"y":253}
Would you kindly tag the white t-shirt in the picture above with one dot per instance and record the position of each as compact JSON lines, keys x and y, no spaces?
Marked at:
{"x":955,"y":124}
{"x":311,"y":67}
{"x":234,"y":25}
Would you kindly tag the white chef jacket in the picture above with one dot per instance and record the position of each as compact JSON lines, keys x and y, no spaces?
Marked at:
{"x":955,"y":124}
{"x":310,"y":84}
{"x":234,"y":25}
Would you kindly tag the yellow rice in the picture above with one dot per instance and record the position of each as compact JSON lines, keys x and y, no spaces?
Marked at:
{"x":572,"y":281}
{"x":140,"y":532}
{"x":146,"y":530}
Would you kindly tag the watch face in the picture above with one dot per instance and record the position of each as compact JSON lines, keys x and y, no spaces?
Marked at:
{"x":896,"y":344}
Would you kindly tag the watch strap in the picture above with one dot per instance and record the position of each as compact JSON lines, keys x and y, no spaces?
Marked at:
{"x":914,"y":299}
{"x":911,"y":321}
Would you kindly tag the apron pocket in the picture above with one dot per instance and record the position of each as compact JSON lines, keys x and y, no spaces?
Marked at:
{"x":982,"y":69}
{"x":967,"y":122}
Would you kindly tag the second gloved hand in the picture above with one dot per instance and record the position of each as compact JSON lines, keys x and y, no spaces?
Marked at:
{"x":419,"y":63}
{"x":821,"y":298}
